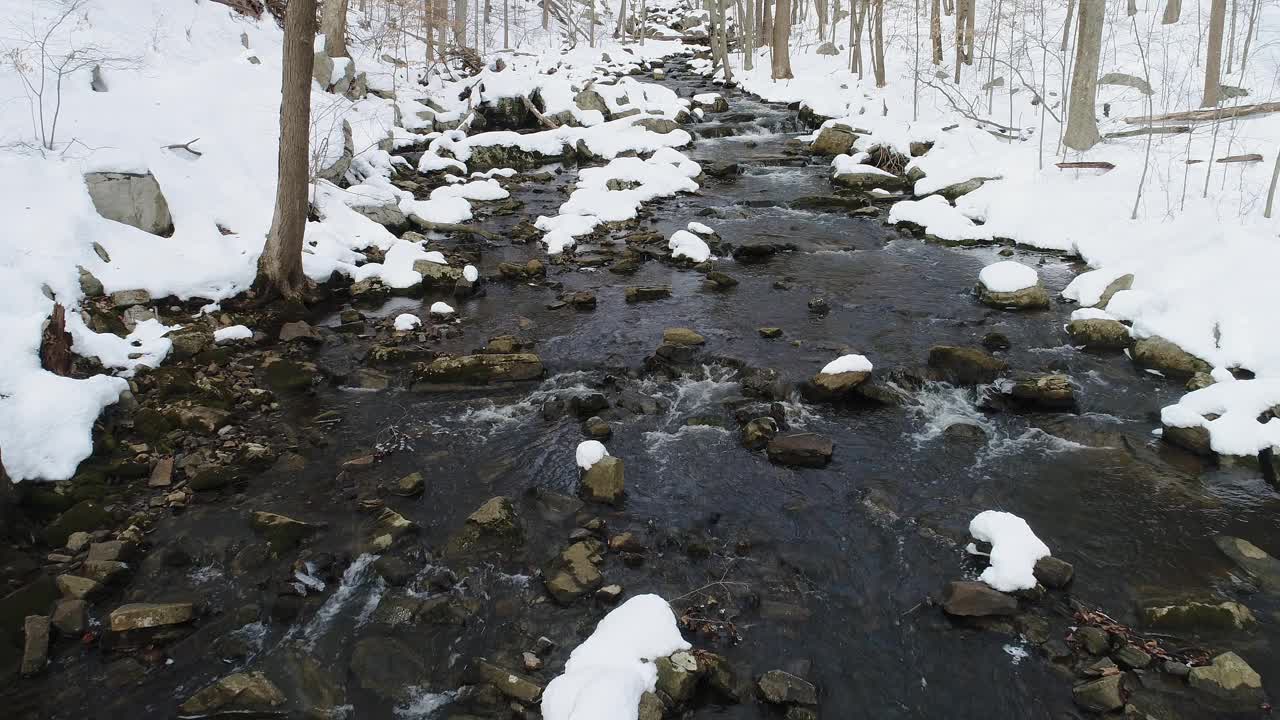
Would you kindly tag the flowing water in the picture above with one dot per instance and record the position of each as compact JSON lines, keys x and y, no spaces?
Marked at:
{"x":820,"y":570}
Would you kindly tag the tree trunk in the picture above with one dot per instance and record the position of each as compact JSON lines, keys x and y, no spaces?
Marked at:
{"x":962,"y":11}
{"x":1172,"y":11}
{"x":877,"y":39}
{"x":460,"y":23}
{"x":821,"y":7}
{"x":1066,"y":26}
{"x":621,"y":30}
{"x":55,"y":343}
{"x":748,"y":35}
{"x":935,"y":30}
{"x":506,"y":24}
{"x":782,"y":40}
{"x":280,"y":266}
{"x":1213,"y":61}
{"x":1131,"y":9}
{"x":334,"y":26}
{"x":766,"y":22}
{"x":971,"y":17}
{"x":723,"y":41}
{"x":1082,"y":123}
{"x":1271,"y":199}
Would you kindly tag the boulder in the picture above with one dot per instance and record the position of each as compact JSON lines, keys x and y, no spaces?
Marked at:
{"x":1101,"y":695}
{"x":1159,"y":354}
{"x":828,"y":48}
{"x":783,"y":688}
{"x":1264,"y":569}
{"x":517,"y":687}
{"x":651,"y":706}
{"x":436,"y":275}
{"x":130,"y":198}
{"x":659,"y":125}
{"x":409,"y":485}
{"x":239,"y":693}
{"x":800,"y":450}
{"x":591,"y":100}
{"x":1053,"y":572}
{"x":1229,"y":681}
{"x":479,"y":369}
{"x":833,"y":140}
{"x":141,"y":616}
{"x":678,"y":676}
{"x":572,"y":573}
{"x":337,"y":168}
{"x":758,"y":432}
{"x":1094,"y":640}
{"x":1099,"y":334}
{"x":682,"y":336}
{"x":966,"y":365}
{"x":1046,"y":392}
{"x":1028,"y":298}
{"x":955,"y":191}
{"x":603,"y":482}
{"x":964,"y":598}
{"x":1126,"y":80}
{"x":124,"y":299}
{"x":646,"y":293}
{"x":1199,"y":616}
{"x":867,"y":177}
{"x":71,"y":617}
{"x":78,"y":588}
{"x":1124,"y":282}
{"x":493,"y":526}
{"x":1194,"y":438}
{"x":35,"y":647}
{"x":839,"y":384}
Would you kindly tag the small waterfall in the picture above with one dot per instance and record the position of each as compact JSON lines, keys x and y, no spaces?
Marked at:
{"x":355,"y":579}
{"x":423,"y":704}
{"x":939,"y":406}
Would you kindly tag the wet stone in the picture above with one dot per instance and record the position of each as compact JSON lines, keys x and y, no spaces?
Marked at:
{"x":966,"y":365}
{"x":1199,"y":616}
{"x":758,"y":432}
{"x":604,"y":481}
{"x":647,"y":293}
{"x":976,"y":599}
{"x":76,"y":587}
{"x":71,"y":616}
{"x":1228,"y":680}
{"x":677,"y":676}
{"x":770,"y":333}
{"x":508,"y":683}
{"x":572,"y":574}
{"x":1053,"y":572}
{"x":801,"y":450}
{"x":140,"y":616}
{"x":1102,"y":695}
{"x":1263,"y":568}
{"x":35,"y":648}
{"x":409,"y":485}
{"x":1094,"y":640}
{"x":282,"y":532}
{"x":780,"y":687}
{"x":1131,"y":657}
{"x":239,"y":693}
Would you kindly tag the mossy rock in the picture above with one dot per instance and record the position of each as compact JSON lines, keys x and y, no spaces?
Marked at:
{"x":43,"y":501}
{"x":151,"y":424}
{"x":211,"y":479}
{"x":86,"y":515}
{"x":289,"y":376}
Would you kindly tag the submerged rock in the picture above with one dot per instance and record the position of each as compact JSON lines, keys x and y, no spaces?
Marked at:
{"x":240,"y":693}
{"x":140,"y":616}
{"x":478,"y":369}
{"x":966,"y":365}
{"x":783,"y":688}
{"x":1228,"y":680}
{"x":35,"y":648}
{"x":801,"y":450}
{"x":646,"y":293}
{"x":516,"y":687}
{"x":1101,"y":695}
{"x":1196,"y":616}
{"x":1263,"y":568}
{"x":573,"y":573}
{"x":282,"y":532}
{"x":964,"y":598}
{"x":494,"y":525}
{"x":758,"y":432}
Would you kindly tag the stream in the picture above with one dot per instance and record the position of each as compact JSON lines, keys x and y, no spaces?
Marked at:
{"x":824,"y":571}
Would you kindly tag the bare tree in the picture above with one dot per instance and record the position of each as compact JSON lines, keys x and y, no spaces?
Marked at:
{"x":1213,"y":61}
{"x":963,"y":25}
{"x":877,"y":40}
{"x":333,"y":23}
{"x":1082,"y":123}
{"x":280,"y":266}
{"x":935,"y":30}
{"x":782,"y":40}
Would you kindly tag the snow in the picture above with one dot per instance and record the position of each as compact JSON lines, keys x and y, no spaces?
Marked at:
{"x":699,"y":228}
{"x":1008,"y":276}
{"x":1014,"y":550}
{"x":684,"y":244}
{"x":1087,"y":287}
{"x":606,"y":675}
{"x":847,"y":363}
{"x":1089,"y":313}
{"x":470,"y":273}
{"x":1239,"y":403}
{"x":589,"y":453}
{"x":850,"y":165}
{"x":407,"y":321}
{"x":441,"y":308}
{"x":231,"y":334}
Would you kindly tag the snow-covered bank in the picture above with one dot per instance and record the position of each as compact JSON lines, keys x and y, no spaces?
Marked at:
{"x":204,"y":76}
{"x":1199,"y":248}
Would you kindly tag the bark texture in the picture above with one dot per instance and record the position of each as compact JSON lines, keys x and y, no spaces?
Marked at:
{"x":782,"y":40}
{"x":280,"y":266}
{"x":1082,"y":122}
{"x":1213,"y":61}
{"x":333,"y":24}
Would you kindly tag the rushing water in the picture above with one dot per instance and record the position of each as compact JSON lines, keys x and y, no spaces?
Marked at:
{"x":825,"y":570}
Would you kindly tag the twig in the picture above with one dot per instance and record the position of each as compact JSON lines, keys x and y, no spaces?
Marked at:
{"x":185,"y":146}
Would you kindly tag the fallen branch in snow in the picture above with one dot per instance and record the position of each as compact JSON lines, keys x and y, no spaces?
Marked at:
{"x":450,"y":227}
{"x":534,"y":110}
{"x":1250,"y":157}
{"x":55,"y":345}
{"x":185,"y":146}
{"x":1087,"y":165}
{"x":1206,"y":115}
{"x":1153,"y":130}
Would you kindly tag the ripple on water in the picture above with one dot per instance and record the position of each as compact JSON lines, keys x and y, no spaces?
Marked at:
{"x":423,"y":703}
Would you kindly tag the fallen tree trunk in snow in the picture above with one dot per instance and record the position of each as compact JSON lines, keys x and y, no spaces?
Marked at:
{"x":1209,"y":114}
{"x":528,"y":105}
{"x":1250,"y":157}
{"x":1156,"y":130}
{"x":1087,"y":165}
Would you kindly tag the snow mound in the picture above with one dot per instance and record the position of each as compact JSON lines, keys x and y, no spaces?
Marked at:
{"x":407,"y":321}
{"x":1238,"y":403}
{"x":684,"y":244}
{"x":231,"y":334}
{"x":470,"y":273}
{"x":1014,"y":550}
{"x":589,"y":453}
{"x":606,"y":675}
{"x":847,"y":363}
{"x":699,"y":228}
{"x":1008,"y":276}
{"x":1089,"y":313}
{"x":441,"y":308}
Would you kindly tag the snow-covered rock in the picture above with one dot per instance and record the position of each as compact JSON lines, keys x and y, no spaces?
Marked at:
{"x":1014,"y":550}
{"x":1010,"y":284}
{"x":606,"y":675}
{"x":441,"y":309}
{"x":686,"y":245}
{"x":231,"y":334}
{"x":407,"y":321}
{"x":589,"y":453}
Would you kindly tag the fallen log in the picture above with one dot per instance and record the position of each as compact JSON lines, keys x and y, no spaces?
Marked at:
{"x":55,"y":343}
{"x":422,"y":224}
{"x":528,"y":105}
{"x":1249,"y":157}
{"x":1225,"y":113}
{"x":1154,"y":130}
{"x":1087,"y":165}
